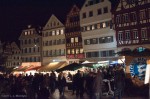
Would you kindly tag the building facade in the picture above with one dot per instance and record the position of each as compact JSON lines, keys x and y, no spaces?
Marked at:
{"x":7,"y":53}
{"x":131,"y":20}
{"x":53,"y":38}
{"x":74,"y":48}
{"x":132,"y":23}
{"x":30,"y":45}
{"x":16,"y":55}
{"x":99,"y":41}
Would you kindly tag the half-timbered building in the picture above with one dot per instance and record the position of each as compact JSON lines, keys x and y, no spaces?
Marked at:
{"x":74,"y":49}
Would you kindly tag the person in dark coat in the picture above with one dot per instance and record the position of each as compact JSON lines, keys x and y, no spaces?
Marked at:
{"x":89,"y":84}
{"x":79,"y":82}
{"x":61,"y":83}
{"x":119,"y":82}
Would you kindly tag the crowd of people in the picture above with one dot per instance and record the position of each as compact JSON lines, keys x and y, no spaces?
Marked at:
{"x":93,"y":83}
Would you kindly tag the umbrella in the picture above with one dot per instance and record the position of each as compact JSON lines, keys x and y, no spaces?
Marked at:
{"x":71,"y":67}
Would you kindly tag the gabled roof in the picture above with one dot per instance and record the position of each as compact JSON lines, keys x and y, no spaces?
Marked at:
{"x":52,"y":23}
{"x":74,"y":9}
{"x":35,"y":34}
{"x":14,"y":46}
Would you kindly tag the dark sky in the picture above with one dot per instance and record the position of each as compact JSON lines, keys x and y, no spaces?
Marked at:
{"x":15,"y":15}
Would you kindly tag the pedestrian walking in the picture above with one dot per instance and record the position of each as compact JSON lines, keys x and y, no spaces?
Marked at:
{"x":61,"y":83}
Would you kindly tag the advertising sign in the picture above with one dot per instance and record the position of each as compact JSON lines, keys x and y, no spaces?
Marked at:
{"x":138,"y":68}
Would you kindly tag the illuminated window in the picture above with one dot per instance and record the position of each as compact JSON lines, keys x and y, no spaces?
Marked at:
{"x":28,"y":32}
{"x":72,"y":51}
{"x":72,"y":40}
{"x":68,"y":51}
{"x":57,"y":32}
{"x":88,"y":28}
{"x":62,"y":31}
{"x":53,"y":32}
{"x":93,"y":27}
{"x":76,"y":39}
{"x":81,"y":50}
{"x":25,"y":33}
{"x":104,"y":25}
{"x":77,"y":51}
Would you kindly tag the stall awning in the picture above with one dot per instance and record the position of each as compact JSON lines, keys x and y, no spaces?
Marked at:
{"x":33,"y":68}
{"x":22,"y":68}
{"x":52,"y":66}
{"x":28,"y":65}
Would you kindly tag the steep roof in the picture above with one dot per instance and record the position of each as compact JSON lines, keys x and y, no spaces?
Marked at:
{"x":53,"y":22}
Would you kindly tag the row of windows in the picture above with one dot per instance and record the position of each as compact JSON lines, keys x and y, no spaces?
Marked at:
{"x":16,"y":63}
{"x":74,"y":19}
{"x":16,"y":57}
{"x":99,"y":12}
{"x":54,"y":32}
{"x":30,"y":32}
{"x":107,"y":39}
{"x":15,"y":52}
{"x":97,"y":26}
{"x":72,"y":40}
{"x":31,"y":59}
{"x":50,"y":53}
{"x":72,"y":29}
{"x":53,"y":24}
{"x":108,"y":53}
{"x":54,"y":42}
{"x":122,"y":18}
{"x":31,"y":50}
{"x":135,"y":35}
{"x":92,"y":2}
{"x":30,"y":41}
{"x":75,"y":51}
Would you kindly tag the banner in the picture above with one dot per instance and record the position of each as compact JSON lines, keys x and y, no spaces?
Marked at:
{"x":138,"y":68}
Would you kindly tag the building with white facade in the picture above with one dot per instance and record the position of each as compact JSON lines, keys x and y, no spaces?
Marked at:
{"x":99,"y":41}
{"x":30,"y":45}
{"x":53,"y":38}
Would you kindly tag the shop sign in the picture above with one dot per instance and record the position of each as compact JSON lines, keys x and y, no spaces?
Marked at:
{"x":138,"y":67}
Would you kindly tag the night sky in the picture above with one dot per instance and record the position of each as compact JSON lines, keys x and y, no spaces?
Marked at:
{"x":15,"y":15}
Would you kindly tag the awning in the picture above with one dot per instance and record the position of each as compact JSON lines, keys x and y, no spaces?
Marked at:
{"x":22,"y":68}
{"x":28,"y":65}
{"x":33,"y":68}
{"x":72,"y":67}
{"x":52,"y":66}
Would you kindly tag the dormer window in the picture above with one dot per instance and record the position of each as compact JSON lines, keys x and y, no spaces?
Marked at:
{"x":25,"y":33}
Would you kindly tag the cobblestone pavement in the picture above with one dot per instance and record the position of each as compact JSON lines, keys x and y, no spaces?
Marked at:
{"x":68,"y":95}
